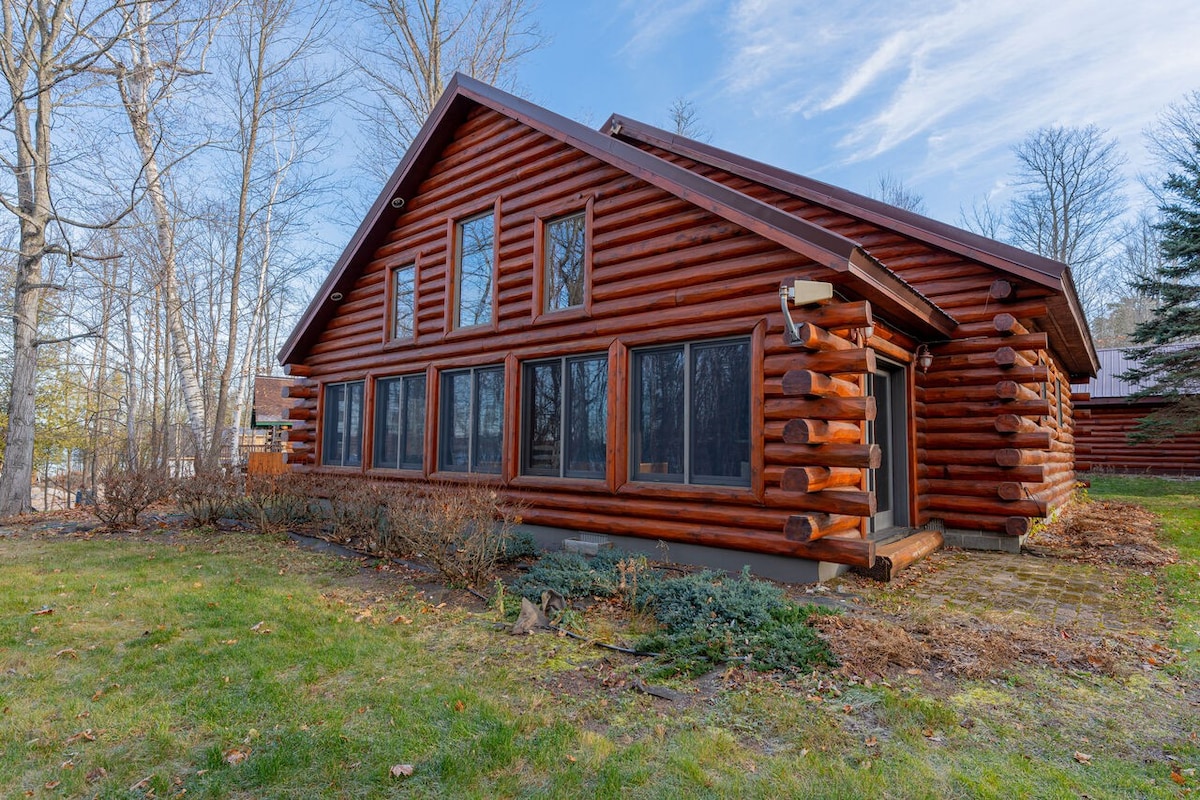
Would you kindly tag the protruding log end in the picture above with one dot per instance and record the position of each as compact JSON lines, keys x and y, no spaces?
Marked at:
{"x":1009,"y":457}
{"x":1006,"y":324}
{"x":1001,"y":289}
{"x":1008,"y":390}
{"x":1010,"y":490}
{"x":1006,"y":357}
{"x":1017,"y":526}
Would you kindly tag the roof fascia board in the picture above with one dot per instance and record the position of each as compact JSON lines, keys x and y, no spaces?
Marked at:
{"x":828,"y":249}
{"x":382,"y":205}
{"x":977,"y":247}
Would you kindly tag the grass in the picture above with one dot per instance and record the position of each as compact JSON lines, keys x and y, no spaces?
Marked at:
{"x":151,"y":653}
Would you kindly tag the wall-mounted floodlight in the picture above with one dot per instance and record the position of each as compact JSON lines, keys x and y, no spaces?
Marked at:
{"x":801,"y":293}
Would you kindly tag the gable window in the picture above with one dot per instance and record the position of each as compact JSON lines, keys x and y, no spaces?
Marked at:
{"x":341,"y":444}
{"x":565,"y":430}
{"x":564,"y":275}
{"x":474,"y":258}
{"x":690,"y":413}
{"x":471,"y":422}
{"x":400,"y":423}
{"x":404,"y":301}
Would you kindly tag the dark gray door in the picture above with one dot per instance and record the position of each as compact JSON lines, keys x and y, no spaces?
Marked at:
{"x":890,"y":432}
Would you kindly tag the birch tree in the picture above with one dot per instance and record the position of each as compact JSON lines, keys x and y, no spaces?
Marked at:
{"x":277,"y":90}
{"x":161,"y":46}
{"x":44,"y":49}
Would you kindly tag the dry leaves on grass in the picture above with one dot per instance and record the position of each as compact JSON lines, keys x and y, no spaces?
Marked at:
{"x":1105,"y":532}
{"x":964,"y":646}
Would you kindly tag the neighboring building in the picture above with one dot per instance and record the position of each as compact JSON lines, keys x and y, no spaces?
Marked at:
{"x":269,"y":422}
{"x":1108,"y":415}
{"x":591,"y":319}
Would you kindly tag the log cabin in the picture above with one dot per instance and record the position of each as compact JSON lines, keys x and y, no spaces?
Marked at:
{"x":647,"y":339}
{"x":1108,"y":414}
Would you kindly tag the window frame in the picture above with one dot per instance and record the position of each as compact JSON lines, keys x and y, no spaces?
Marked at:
{"x":687,"y":476}
{"x":453,"y":312}
{"x":543,"y":219}
{"x":392,"y":317}
{"x":564,"y":409}
{"x":403,"y":434}
{"x":445,"y":421}
{"x":326,"y":407}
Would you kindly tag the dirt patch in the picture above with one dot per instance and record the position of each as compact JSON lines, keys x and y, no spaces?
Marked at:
{"x":1105,"y":532}
{"x":970,"y":647}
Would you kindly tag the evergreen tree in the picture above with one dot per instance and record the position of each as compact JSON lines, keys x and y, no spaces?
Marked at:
{"x":1170,"y":364}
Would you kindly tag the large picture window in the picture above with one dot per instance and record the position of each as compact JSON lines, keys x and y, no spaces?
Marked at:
{"x":565,"y":430}
{"x":690,"y":413}
{"x":471,"y":423}
{"x":564,"y":274}
{"x":404,"y":297}
{"x":473,"y":267}
{"x":342,"y":440}
{"x":400,"y":423}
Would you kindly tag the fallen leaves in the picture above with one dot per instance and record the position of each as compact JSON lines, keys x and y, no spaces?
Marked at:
{"x":69,"y":652}
{"x":259,"y":629}
{"x":236,"y":755}
{"x":402,"y":770}
{"x":82,"y":736}
{"x":1083,"y":758}
{"x":43,"y":611}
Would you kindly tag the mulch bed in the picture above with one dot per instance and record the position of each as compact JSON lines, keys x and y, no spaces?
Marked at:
{"x":1105,"y":532}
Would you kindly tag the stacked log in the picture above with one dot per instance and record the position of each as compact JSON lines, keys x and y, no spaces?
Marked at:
{"x":824,"y":447}
{"x":303,"y":414}
{"x":994,"y":477}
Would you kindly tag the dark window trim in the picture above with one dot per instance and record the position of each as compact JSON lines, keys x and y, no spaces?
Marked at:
{"x":324,"y":427}
{"x":391,"y":316}
{"x":634,"y":418}
{"x":454,"y":268}
{"x":377,"y":426}
{"x":544,"y":217}
{"x":563,"y":410}
{"x":443,"y":419}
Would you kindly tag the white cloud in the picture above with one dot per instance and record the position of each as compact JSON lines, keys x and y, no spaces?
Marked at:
{"x":963,"y":78}
{"x":657,"y":21}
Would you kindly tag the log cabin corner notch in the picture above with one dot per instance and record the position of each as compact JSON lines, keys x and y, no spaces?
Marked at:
{"x":626,"y":370}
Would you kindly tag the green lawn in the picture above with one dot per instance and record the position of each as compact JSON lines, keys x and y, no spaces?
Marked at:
{"x":150,"y":677}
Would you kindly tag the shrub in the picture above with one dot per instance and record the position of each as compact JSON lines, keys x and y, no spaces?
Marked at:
{"x":572,"y":575}
{"x":127,"y":493}
{"x":461,"y":530}
{"x":520,"y":544}
{"x":274,"y":503}
{"x":206,"y":496}
{"x":708,"y":619}
{"x":355,"y":509}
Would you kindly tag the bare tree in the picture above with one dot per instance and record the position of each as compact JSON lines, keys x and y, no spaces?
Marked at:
{"x":1069,"y":200}
{"x":891,"y":190}
{"x":159,"y":46}
{"x":419,"y":44}
{"x":983,"y":218}
{"x":275,"y":90}
{"x":1171,"y":139}
{"x":685,"y":120}
{"x":44,"y":48}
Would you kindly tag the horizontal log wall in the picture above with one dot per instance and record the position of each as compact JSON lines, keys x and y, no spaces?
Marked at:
{"x":663,"y":271}
{"x":973,"y":471}
{"x":1102,"y":441}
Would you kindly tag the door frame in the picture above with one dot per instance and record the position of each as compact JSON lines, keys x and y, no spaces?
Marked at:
{"x":897,"y":451}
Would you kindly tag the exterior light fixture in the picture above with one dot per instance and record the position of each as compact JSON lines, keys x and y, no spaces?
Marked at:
{"x":336,"y":297}
{"x":924,"y":357}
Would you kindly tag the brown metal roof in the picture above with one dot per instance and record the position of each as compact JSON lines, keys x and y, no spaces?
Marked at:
{"x":874,"y":281}
{"x":1066,"y":322}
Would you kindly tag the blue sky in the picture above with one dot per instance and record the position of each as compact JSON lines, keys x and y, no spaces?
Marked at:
{"x":934,"y":91}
